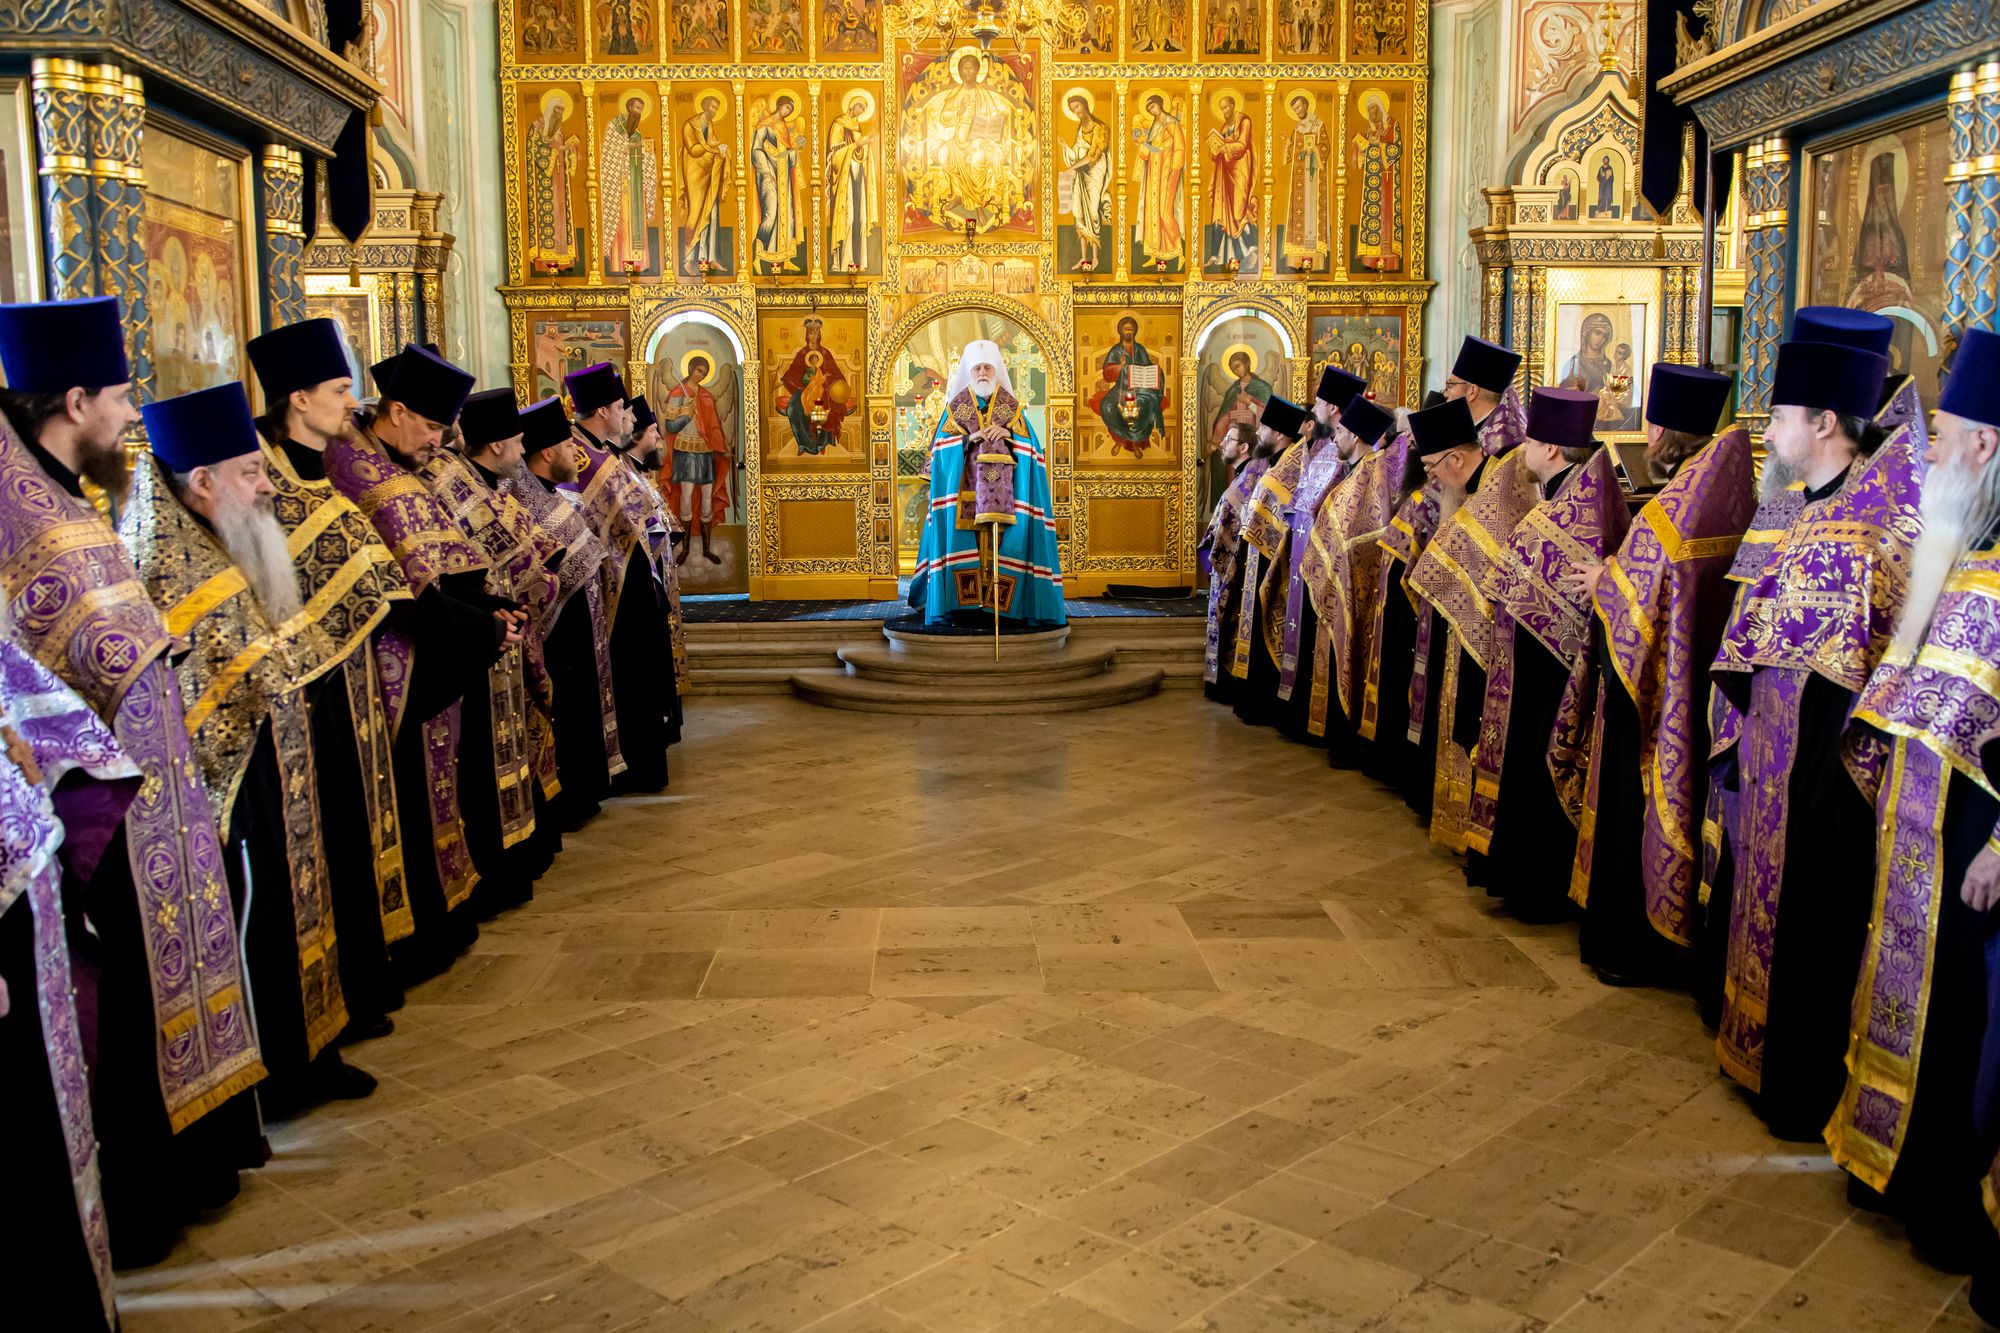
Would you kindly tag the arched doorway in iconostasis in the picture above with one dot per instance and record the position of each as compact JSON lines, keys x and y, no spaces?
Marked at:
{"x":694,"y":383}
{"x":918,"y":377}
{"x":1242,"y":357}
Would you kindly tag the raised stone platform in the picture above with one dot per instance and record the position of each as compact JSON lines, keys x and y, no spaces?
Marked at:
{"x":934,"y":674}
{"x":762,"y":658}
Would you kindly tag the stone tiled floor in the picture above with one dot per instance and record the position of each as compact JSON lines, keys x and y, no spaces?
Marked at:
{"x":1136,"y":1019}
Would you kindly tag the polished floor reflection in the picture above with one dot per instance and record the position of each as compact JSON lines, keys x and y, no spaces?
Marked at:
{"x":1131,"y":1020}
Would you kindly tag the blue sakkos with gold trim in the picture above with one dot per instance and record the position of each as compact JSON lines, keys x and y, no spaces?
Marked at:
{"x":981,"y":490}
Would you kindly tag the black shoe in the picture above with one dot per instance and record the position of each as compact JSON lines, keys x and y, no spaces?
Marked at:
{"x":1862,"y":1195}
{"x":368,"y":1028}
{"x":214,"y":1191}
{"x":139,"y":1247}
{"x":339,"y":1081}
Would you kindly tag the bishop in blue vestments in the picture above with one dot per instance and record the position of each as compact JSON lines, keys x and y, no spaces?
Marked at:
{"x":989,"y":480}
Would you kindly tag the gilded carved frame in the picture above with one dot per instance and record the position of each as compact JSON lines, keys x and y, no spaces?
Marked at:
{"x":1048,"y":315}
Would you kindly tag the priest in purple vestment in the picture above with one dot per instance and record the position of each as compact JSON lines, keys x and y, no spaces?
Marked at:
{"x":1382,"y":729}
{"x":1288,"y":612}
{"x":1483,"y":375}
{"x":1659,"y":606}
{"x":1343,"y":556}
{"x":200,"y":526}
{"x":434,"y":682}
{"x":64,"y":785}
{"x":513,"y":839}
{"x":626,"y":514}
{"x":1919,"y":1119}
{"x":576,"y":628}
{"x":1483,"y":498}
{"x":1287,"y":428}
{"x":1534,"y":723}
{"x":346,"y":572}
{"x":1781,"y":495}
{"x":1248,"y":458}
{"x":1800,"y":646}
{"x":150,"y":929}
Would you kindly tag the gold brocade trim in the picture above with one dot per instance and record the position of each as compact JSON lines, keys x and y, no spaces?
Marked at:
{"x":1246,"y":612}
{"x":194,"y":1109}
{"x":1711,"y":841}
{"x":207,"y":595}
{"x":1451,"y":786}
{"x":1985,"y":581}
{"x":1868,"y":1065}
{"x":325,"y":600}
{"x":1641,"y":620}
{"x":1681,"y":549}
{"x":223,"y":681}
{"x":1905,"y":731}
{"x":1465,"y":583}
{"x":1317,"y":700}
{"x":308,"y":532}
{"x":1654,"y":779}
{"x":1701,"y":548}
{"x":323,"y":1002}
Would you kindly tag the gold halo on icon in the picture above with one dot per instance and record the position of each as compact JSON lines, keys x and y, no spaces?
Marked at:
{"x":1089,"y":102}
{"x":687,"y":359}
{"x":1292,"y":100}
{"x":555,"y":95}
{"x":1233,"y":94}
{"x":1373,"y":98}
{"x":958,"y":58}
{"x":862,"y":95}
{"x":1229,"y":354}
{"x":643,"y":96}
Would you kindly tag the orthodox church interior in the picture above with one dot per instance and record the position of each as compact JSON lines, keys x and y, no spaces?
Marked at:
{"x":1005,"y":952}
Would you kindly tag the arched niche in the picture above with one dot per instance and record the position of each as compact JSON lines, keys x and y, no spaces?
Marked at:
{"x":691,"y":369}
{"x":1243,"y":354}
{"x":925,"y":349}
{"x":1062,"y":374}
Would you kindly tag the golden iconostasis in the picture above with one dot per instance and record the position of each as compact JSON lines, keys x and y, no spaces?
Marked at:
{"x":785,"y":217}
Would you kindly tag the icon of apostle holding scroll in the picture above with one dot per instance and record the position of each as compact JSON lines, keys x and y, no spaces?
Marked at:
{"x":989,"y":539}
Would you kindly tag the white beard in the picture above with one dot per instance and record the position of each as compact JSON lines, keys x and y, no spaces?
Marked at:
{"x":1778,"y":475}
{"x":985,"y":388}
{"x":256,"y":543}
{"x":1958,"y":506}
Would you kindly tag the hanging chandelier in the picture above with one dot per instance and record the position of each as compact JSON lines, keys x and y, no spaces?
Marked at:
{"x":1062,"y":21}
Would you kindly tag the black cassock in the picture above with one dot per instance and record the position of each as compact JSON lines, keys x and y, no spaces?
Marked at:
{"x":366,"y":981}
{"x":454,"y":640}
{"x":1224,"y":687}
{"x":256,"y":830}
{"x":1256,"y":700}
{"x":1387,"y":756}
{"x":1293,"y":716}
{"x":1954,"y":1118}
{"x":1618,"y":937}
{"x":45,"y":1250}
{"x":571,"y":652}
{"x":642,"y":674}
{"x":154,"y":1179}
{"x":1824,"y":901}
{"x":1528,"y":861}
